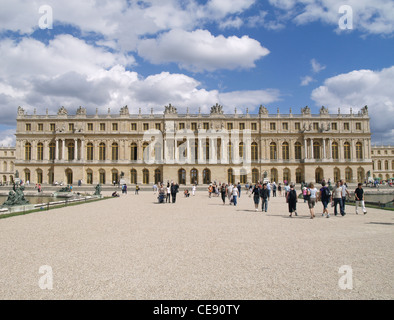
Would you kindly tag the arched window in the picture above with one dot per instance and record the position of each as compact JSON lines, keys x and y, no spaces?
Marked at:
{"x":360,"y":175}
{"x":285,"y":151}
{"x":241,"y":151}
{"x":206,"y":176}
{"x":274,"y":175}
{"x":133,"y":176}
{"x":229,"y":152}
{"x":134,"y":152}
{"x":52,"y":151}
{"x":299,"y":175}
{"x":255,"y":151}
{"x":27,"y":175}
{"x":337,"y":174}
{"x":89,"y":151}
{"x":27,"y":151}
{"x":349,"y":175}
{"x":40,"y":152}
{"x":297,"y":151}
{"x":39,"y":176}
{"x":206,"y":149}
{"x":69,"y":176}
{"x":319,"y":174}
{"x":346,"y":151}
{"x":379,"y":165}
{"x":102,"y":176}
{"x":5,"y":169}
{"x":255,"y":175}
{"x":286,"y":175}
{"x":89,"y":176}
{"x":182,"y":176}
{"x":115,"y":151}
{"x":386,"y":165}
{"x":145,"y":176}
{"x":115,"y":176}
{"x":158,"y":177}
{"x":230,"y":176}
{"x":359,"y":150}
{"x":243,"y":176}
{"x":102,"y":151}
{"x":194,"y":176}
{"x":335,"y":151}
{"x":273,"y":154}
{"x":145,"y":151}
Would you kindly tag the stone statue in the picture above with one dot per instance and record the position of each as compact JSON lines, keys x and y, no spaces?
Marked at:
{"x":265,"y":174}
{"x":65,"y":189}
{"x":21,"y":111}
{"x":263,"y":110}
{"x":16,"y":196}
{"x":98,"y":190}
{"x":170,"y":109}
{"x":62,"y":111}
{"x":306,"y":111}
{"x":217,"y":109}
{"x":324,"y":110}
{"x":124,"y":111}
{"x":81,"y":111}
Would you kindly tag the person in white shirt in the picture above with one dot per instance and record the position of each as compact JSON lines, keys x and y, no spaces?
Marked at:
{"x":235,"y":195}
{"x":193,"y":190}
{"x":312,"y":193}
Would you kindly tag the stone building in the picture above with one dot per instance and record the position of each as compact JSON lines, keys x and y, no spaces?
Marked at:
{"x":383,"y":162}
{"x":192,"y":147}
{"x":7,"y":165}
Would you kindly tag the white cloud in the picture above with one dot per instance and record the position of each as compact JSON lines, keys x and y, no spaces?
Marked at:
{"x":305,"y":81}
{"x":202,"y":51}
{"x":357,"y":89}
{"x":316,"y":66}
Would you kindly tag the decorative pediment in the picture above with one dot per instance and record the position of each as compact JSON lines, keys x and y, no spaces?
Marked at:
{"x":62,"y":111}
{"x":306,"y":111}
{"x":217,"y":109}
{"x":170,"y":109}
{"x":124,"y":111}
{"x":263,"y":110}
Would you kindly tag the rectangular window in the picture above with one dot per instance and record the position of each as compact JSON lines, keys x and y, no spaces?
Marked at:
{"x":90,"y":126}
{"x":194,"y":126}
{"x":334,"y":126}
{"x":229,"y":126}
{"x":358,"y":126}
{"x":346,"y":126}
{"x":28,"y":126}
{"x":157,"y":126}
{"x":114,"y":127}
{"x":146,"y":126}
{"x":71,"y":127}
{"x":52,"y":127}
{"x":315,"y":126}
{"x":181,"y":126}
{"x":242,"y":126}
{"x":102,"y":126}
{"x":206,"y":125}
{"x":297,"y":126}
{"x":285,"y":126}
{"x":254,"y":126}
{"x":272,"y":126}
{"x":40,"y":127}
{"x":133,"y":127}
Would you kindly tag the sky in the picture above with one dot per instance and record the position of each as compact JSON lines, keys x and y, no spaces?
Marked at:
{"x":283,"y":54}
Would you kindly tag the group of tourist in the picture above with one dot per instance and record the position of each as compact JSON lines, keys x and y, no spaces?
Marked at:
{"x":167,"y":194}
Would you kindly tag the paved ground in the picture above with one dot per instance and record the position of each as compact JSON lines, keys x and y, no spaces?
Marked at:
{"x":133,"y":248}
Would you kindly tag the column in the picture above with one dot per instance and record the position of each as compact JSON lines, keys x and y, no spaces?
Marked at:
{"x":75,"y":149}
{"x":200,"y":151}
{"x":330,"y":151}
{"x":63,"y":148}
{"x":312,"y":155}
{"x":83,"y":150}
{"x":324,"y":148}
{"x":306,"y":149}
{"x":57,"y":150}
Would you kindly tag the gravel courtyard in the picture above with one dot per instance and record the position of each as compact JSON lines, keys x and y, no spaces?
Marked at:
{"x":134,"y":248}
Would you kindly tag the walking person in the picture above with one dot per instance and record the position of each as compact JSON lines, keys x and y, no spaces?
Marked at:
{"x":235,"y":196}
{"x":337,"y":197}
{"x":344,"y":193}
{"x":359,"y":197}
{"x":239,"y":187}
{"x":137,"y":188}
{"x":168,"y":194}
{"x":325,"y":197}
{"x":312,"y":193}
{"x":223,"y":192}
{"x":292,"y":201}
{"x":194,"y":190}
{"x":174,"y":190}
{"x":230,"y":193}
{"x":256,"y":196}
{"x":274,"y":190}
{"x":264,"y":197}
{"x":280,"y":189}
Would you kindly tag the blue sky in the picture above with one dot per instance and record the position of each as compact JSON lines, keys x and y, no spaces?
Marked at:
{"x":240,"y":53}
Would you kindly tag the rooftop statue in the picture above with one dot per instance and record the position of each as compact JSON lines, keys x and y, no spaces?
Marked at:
{"x":124,"y":111}
{"x":324,"y":110}
{"x":217,"y":109}
{"x":263,"y":110}
{"x":306,"y":110}
{"x":21,"y":111}
{"x":81,"y":111}
{"x":62,"y":111}
{"x":170,"y":109}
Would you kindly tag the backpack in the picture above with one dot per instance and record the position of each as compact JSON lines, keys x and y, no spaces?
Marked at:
{"x":292,"y":195}
{"x":326,"y":194}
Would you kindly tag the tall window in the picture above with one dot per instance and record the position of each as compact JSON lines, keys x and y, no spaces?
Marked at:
{"x":337,"y":174}
{"x":255,"y":151}
{"x":285,"y":151}
{"x":346,"y":150}
{"x":89,"y":177}
{"x":145,"y":176}
{"x":335,"y":151}
{"x":273,"y":154}
{"x":158,"y":176}
{"x":386,"y":165}
{"x":379,"y":165}
{"x":316,"y":150}
{"x":194,"y":176}
{"x":359,"y":150}
{"x":102,"y":150}
{"x":299,"y":175}
{"x":145,"y":151}
{"x":40,"y":151}
{"x":297,"y":151}
{"x":134,"y":154}
{"x":115,"y":152}
{"x":230,"y":176}
{"x":241,"y":150}
{"x":206,"y":148}
{"x":349,"y":175}
{"x":52,"y":151}
{"x":39,"y":176}
{"x":102,"y":176}
{"x":230,"y":152}
{"x":133,"y":176}
{"x":181,"y":176}
{"x":255,"y":175}
{"x":89,"y":151}
{"x":27,"y":151}
{"x":286,"y":175}
{"x":206,"y":176}
{"x":71,"y":149}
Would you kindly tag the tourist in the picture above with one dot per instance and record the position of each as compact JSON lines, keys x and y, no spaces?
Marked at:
{"x":287,"y":189}
{"x":230,"y":192}
{"x":304,"y":194}
{"x":161,"y":193}
{"x":256,"y":196}
{"x":174,"y":190}
{"x":292,"y":200}
{"x":324,"y":197}
{"x":269,"y":190}
{"x":235,"y":196}
{"x":155,"y":188}
{"x":344,"y":193}
{"x":115,"y":194}
{"x":274,"y":189}
{"x":239,"y":187}
{"x":186,"y":193}
{"x":337,"y":198}
{"x":264,"y":197}
{"x":359,"y":197}
{"x":137,"y":188}
{"x":280,"y":189}
{"x":210,"y":189}
{"x":39,"y":187}
{"x":312,"y":193}
{"x":223,"y":191}
{"x":168,"y":197}
{"x":194,"y":190}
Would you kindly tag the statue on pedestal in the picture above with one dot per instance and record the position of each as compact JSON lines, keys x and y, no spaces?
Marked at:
{"x":98,"y":190}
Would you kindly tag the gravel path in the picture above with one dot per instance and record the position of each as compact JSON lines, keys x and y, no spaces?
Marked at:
{"x":133,"y":248}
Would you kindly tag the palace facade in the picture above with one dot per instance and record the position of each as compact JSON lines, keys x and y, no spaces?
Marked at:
{"x":7,"y":165}
{"x":383,"y":162}
{"x":192,"y":148}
